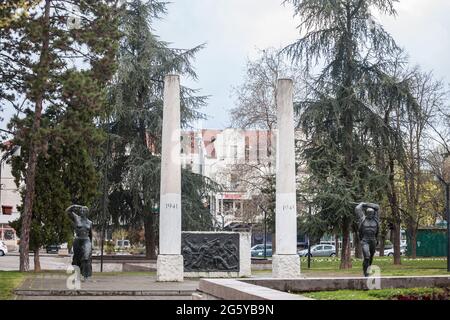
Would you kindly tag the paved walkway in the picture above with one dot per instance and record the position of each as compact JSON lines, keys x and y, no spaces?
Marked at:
{"x":10,"y":262}
{"x":100,"y":287}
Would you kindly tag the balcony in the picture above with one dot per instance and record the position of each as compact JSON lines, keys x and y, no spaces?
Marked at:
{"x":7,"y":218}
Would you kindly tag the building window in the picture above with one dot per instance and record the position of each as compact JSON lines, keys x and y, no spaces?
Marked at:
{"x":247,"y":149}
{"x":234,"y":181}
{"x":9,"y":235}
{"x":7,"y":210}
{"x":269,"y":144}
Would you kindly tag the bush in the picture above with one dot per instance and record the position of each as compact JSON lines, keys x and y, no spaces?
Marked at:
{"x":109,"y":247}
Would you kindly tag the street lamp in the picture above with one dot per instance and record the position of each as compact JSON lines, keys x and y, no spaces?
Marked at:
{"x":445,"y":179}
{"x":265,"y":230}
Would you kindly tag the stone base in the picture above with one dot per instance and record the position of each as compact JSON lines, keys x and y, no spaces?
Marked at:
{"x":212,"y":274}
{"x":245,"y":259}
{"x":286,"y":266}
{"x":169,"y":268}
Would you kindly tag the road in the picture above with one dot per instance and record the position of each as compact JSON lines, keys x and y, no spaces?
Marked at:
{"x":10,"y":262}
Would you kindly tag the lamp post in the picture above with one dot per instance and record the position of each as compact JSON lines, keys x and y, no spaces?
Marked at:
{"x":309,"y":253}
{"x":309,"y":241}
{"x":445,"y":180}
{"x":105,"y":191}
{"x":447,"y":201}
{"x":447,"y":214}
{"x":265,"y":230}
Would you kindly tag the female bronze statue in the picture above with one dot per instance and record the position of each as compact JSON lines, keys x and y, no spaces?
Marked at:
{"x":82,"y":245}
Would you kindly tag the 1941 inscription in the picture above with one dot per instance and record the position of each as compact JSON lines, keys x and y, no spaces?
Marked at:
{"x":171,"y":206}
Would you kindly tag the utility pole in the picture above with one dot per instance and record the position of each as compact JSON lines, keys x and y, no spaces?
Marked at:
{"x":447,"y":205}
{"x":445,"y":179}
{"x":105,"y":194}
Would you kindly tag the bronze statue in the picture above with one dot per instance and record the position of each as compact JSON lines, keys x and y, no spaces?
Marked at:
{"x":368,"y":227}
{"x":82,"y":245}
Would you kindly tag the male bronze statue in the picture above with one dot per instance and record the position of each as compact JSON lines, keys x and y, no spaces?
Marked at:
{"x":368,"y":227}
{"x":82,"y":244}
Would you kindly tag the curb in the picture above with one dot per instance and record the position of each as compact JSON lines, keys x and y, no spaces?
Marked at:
{"x":103,"y":293}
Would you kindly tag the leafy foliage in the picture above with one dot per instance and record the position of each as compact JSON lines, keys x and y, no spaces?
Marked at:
{"x":135,"y":125}
{"x":338,"y":117}
{"x":51,"y":65}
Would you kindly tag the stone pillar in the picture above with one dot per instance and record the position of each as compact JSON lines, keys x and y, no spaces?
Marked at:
{"x":170,"y":261}
{"x":285,"y":262}
{"x":245,"y":259}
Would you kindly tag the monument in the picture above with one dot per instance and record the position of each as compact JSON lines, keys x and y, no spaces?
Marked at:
{"x":368,"y":227}
{"x":214,"y":254}
{"x":285,"y":262}
{"x":82,"y":244}
{"x":169,"y":264}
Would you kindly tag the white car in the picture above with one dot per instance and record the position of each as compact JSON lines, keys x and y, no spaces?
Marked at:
{"x":319,"y":250}
{"x":390,"y":252}
{"x":3,"y":248}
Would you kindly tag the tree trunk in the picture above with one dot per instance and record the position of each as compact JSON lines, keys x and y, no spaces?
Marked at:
{"x":358,"y":247}
{"x":24,"y":264}
{"x":336,"y":243}
{"x":382,"y":240}
{"x":150,"y":239}
{"x":346,"y":261}
{"x":413,"y":242}
{"x":396,"y":242}
{"x":37,"y":261}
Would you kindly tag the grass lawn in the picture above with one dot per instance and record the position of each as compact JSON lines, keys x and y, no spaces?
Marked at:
{"x":8,"y":282}
{"x":384,"y":294}
{"x":418,"y":267}
{"x":329,"y":267}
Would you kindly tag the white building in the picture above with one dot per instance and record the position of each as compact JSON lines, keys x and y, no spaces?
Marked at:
{"x":10,"y":199}
{"x":216,"y":154}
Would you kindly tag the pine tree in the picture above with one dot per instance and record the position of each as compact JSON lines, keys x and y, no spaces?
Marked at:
{"x":338,"y":116}
{"x":136,"y":125}
{"x":57,"y":60}
{"x":65,"y":174}
{"x":13,"y":10}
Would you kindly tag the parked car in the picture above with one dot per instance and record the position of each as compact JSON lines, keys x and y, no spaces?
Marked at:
{"x":53,"y":248}
{"x":319,"y":250}
{"x":123,"y":244}
{"x":390,"y":252}
{"x":3,"y":249}
{"x":257,"y":251}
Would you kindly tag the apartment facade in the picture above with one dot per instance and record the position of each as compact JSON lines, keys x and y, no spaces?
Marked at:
{"x":10,"y":199}
{"x":225,"y":156}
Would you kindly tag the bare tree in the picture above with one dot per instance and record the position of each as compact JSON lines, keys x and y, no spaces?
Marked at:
{"x":429,"y":95}
{"x":256,"y":96}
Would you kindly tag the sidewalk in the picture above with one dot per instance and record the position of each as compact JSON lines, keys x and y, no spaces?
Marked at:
{"x":141,"y":287}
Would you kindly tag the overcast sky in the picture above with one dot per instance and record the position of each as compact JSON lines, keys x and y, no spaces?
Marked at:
{"x":234,"y":29}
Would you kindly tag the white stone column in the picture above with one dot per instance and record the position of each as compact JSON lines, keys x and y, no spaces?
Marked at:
{"x":285,"y":262}
{"x":170,"y":261}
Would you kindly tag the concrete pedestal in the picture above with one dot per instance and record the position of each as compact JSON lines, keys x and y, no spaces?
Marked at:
{"x":285,"y":266}
{"x":169,"y":268}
